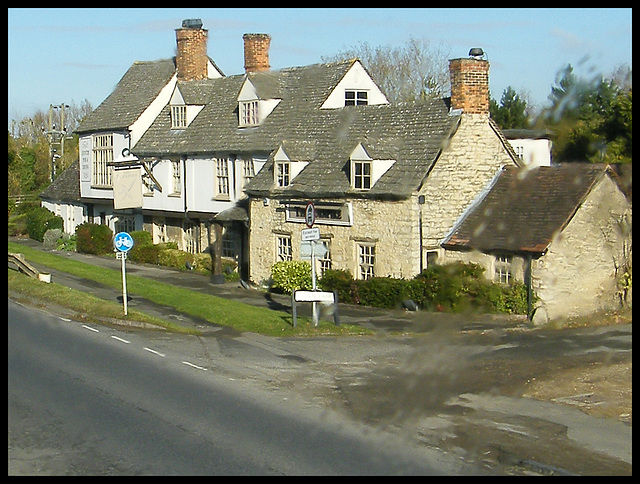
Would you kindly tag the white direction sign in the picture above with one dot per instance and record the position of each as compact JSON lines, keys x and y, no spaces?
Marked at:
{"x":311,"y":234}
{"x":319,"y":250}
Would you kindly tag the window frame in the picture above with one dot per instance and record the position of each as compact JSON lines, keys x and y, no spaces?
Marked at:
{"x":503,"y":268}
{"x":284,"y":248}
{"x":366,"y":260}
{"x":356,"y":97}
{"x":358,"y":175}
{"x":176,"y":178}
{"x":249,"y":113}
{"x":101,"y":156}
{"x":178,"y":116}
{"x":222,"y":178}
{"x":282,"y":173}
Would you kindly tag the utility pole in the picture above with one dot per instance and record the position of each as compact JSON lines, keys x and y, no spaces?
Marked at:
{"x":56,"y":137}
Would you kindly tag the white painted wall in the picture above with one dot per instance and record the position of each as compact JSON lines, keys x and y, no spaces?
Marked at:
{"x":358,"y":79}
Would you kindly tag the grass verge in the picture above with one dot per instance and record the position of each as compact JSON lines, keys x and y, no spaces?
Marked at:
{"x":216,"y":310}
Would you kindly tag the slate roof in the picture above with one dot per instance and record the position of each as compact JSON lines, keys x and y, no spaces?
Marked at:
{"x":134,"y":92}
{"x":412,"y":133}
{"x":525,"y":208}
{"x":66,"y":186}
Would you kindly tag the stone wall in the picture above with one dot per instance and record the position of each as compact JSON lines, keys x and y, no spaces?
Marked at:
{"x":578,"y":274}
{"x":473,"y":157}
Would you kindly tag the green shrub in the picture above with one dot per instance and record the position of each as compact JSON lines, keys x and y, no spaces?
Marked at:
{"x":143,"y":249}
{"x":291,"y":275}
{"x":340,"y":281}
{"x":94,"y":239}
{"x":39,"y":220}
{"x":381,"y":292}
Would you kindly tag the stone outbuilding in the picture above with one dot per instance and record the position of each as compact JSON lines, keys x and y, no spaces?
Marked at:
{"x":565,"y":231}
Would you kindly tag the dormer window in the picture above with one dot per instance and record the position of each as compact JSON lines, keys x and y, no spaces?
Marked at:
{"x":366,"y":171}
{"x":178,"y":117}
{"x":361,"y":174}
{"x":283,"y":173}
{"x":249,"y":113}
{"x":355,"y":98}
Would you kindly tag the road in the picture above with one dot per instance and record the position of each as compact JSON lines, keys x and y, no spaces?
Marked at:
{"x":94,"y":400}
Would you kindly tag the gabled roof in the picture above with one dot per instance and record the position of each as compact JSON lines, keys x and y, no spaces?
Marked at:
{"x":138,"y":87}
{"x":66,"y":187}
{"x":525,"y":208}
{"x":412,"y":134}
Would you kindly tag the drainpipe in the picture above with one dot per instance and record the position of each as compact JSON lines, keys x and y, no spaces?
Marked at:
{"x":529,"y":288}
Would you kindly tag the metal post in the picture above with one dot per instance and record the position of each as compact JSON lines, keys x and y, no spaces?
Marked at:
{"x":313,"y":281}
{"x":123,"y":256}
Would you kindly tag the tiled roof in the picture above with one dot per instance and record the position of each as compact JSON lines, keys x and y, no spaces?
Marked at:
{"x":66,"y":187}
{"x":525,"y":208}
{"x":412,"y":134}
{"x":134,"y":92}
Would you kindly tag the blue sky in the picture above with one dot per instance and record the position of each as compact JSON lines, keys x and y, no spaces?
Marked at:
{"x":68,"y":55}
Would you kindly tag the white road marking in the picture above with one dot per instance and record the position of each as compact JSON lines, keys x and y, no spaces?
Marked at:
{"x":65,"y":319}
{"x":90,"y":328}
{"x":194,"y":366}
{"x":120,"y":339}
{"x":154,"y":352}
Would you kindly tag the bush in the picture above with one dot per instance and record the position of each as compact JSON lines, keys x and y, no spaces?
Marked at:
{"x":457,"y":287}
{"x":291,"y":275}
{"x":39,"y":220}
{"x":340,"y":281}
{"x":381,"y":292}
{"x":143,"y":249}
{"x":94,"y":239}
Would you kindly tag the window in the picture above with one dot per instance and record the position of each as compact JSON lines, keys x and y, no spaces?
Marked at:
{"x":230,"y":243}
{"x":366,"y":260}
{"x":247,"y":170}
{"x":102,"y":153}
{"x":361,"y":175}
{"x":190,"y":237}
{"x":283,"y":173}
{"x":176,"y":178}
{"x":519,"y":151}
{"x":283,"y":248}
{"x":125,"y":224}
{"x":222,"y":177}
{"x":355,"y":98}
{"x":178,"y":117}
{"x":329,"y":214}
{"x":147,"y":182}
{"x":502,"y":269}
{"x":325,"y":260}
{"x":249,"y":113}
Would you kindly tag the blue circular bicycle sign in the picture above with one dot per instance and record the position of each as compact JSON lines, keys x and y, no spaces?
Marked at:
{"x":123,"y":241}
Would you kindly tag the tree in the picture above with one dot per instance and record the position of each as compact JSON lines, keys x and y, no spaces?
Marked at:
{"x":591,"y":119}
{"x":512,"y":111}
{"x":410,"y":72}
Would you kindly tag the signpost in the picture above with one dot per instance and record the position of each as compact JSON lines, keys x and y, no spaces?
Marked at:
{"x":123,"y":243}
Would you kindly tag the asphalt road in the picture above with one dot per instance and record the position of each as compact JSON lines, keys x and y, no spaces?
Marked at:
{"x":450,"y":384}
{"x":87,"y":400}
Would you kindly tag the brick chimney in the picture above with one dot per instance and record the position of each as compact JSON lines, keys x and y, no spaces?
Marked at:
{"x":256,"y":52}
{"x":470,"y":83}
{"x":191,"y":59}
